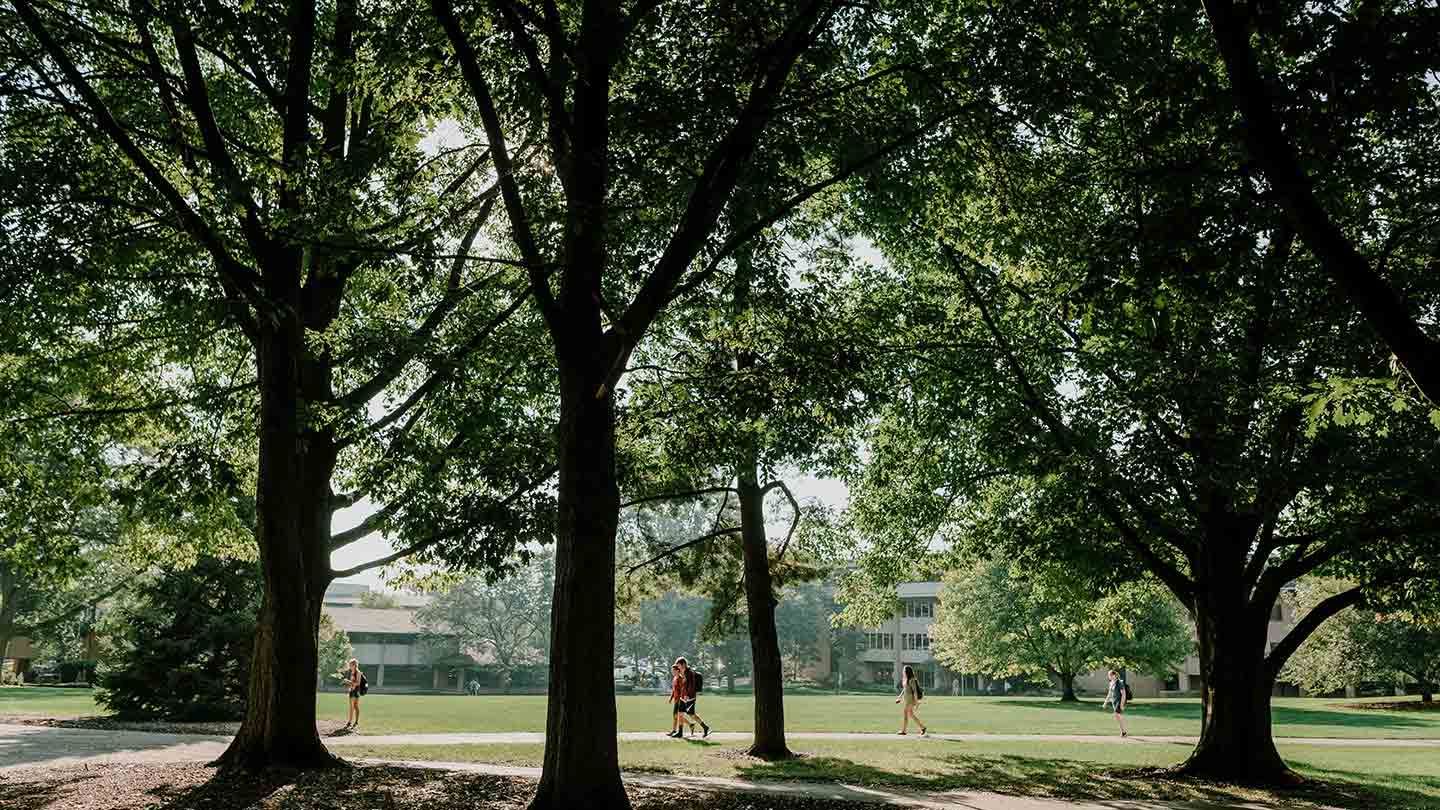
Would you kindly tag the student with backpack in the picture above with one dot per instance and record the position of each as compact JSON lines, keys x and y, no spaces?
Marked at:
{"x":1118,"y":695}
{"x":691,"y":682}
{"x":358,"y":685}
{"x":911,"y":693}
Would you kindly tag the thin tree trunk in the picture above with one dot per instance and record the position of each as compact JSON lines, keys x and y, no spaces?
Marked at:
{"x":582,"y":766}
{"x":1236,"y":741}
{"x":1067,"y":686}
{"x":293,"y":533}
{"x":767,"y":674}
{"x":1427,"y":694}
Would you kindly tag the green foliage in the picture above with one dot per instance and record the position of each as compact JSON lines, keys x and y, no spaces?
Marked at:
{"x":1359,"y":645}
{"x":181,"y":646}
{"x":507,"y":620}
{"x":335,"y":649}
{"x":1003,"y":620}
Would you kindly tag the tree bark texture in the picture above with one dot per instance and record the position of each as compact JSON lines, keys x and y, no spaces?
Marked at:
{"x":1236,"y":743}
{"x":1067,"y":686}
{"x":767,"y":670}
{"x":293,"y":535}
{"x":582,"y":766}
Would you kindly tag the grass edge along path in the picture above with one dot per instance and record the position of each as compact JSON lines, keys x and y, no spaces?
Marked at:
{"x":400,"y":713}
{"x":1382,"y":779}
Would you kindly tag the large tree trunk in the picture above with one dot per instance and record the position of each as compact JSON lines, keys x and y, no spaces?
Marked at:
{"x":1236,"y":744}
{"x":582,"y":765}
{"x":293,"y":534}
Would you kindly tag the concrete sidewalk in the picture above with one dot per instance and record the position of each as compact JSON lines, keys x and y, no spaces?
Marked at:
{"x":521,"y":737}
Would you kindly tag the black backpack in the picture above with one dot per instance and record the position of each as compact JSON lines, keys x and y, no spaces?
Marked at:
{"x":1129,"y":696}
{"x":364,"y":685}
{"x":697,"y":680}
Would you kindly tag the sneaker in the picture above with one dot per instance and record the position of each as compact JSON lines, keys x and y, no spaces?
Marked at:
{"x":901,"y":733}
{"x":924,"y":731}
{"x":707,"y":729}
{"x":674,"y":734}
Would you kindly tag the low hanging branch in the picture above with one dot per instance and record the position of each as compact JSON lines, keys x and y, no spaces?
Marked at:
{"x":794,"y":520}
{"x":672,"y":551}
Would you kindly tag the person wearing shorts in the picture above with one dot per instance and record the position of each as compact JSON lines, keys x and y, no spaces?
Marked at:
{"x":352,"y":681}
{"x":688,"y":695}
{"x":1115,"y":696}
{"x":677,"y":700}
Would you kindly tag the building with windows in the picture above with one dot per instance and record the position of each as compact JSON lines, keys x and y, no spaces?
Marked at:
{"x":392,"y":650}
{"x":905,"y":639}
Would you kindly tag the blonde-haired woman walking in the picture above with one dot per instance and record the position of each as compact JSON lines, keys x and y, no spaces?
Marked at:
{"x":910,"y":695}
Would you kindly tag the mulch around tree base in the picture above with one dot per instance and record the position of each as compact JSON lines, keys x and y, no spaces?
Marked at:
{"x":200,"y":787}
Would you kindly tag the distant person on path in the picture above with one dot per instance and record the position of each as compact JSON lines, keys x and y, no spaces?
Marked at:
{"x":355,"y":683}
{"x":677,"y":696}
{"x":910,"y":694}
{"x":1118,"y":695}
{"x":690,"y":690}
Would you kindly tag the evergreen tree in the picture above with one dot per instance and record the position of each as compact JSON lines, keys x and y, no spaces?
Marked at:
{"x":182,"y":647}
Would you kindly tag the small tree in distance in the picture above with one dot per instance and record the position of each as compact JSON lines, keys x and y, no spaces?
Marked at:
{"x":335,"y":649}
{"x":996,"y":619}
{"x":510,"y":618}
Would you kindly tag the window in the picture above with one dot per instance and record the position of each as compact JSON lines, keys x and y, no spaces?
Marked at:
{"x":879,"y":641}
{"x":919,"y":608}
{"x":915,"y":641}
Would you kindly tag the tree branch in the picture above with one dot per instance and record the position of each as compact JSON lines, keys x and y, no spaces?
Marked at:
{"x":1302,"y":630}
{"x":509,"y":189}
{"x":675,"y":496}
{"x":672,"y":551}
{"x":1386,"y":310}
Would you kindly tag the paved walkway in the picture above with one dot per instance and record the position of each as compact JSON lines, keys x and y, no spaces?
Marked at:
{"x":519,"y":737}
{"x":28,"y":746}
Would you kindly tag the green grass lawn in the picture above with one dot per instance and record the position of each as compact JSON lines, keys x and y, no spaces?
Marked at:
{"x":1350,"y":777}
{"x":382,"y":713}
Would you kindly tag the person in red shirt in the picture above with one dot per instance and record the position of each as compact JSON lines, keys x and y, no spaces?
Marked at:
{"x":686,"y":705}
{"x":677,"y":697}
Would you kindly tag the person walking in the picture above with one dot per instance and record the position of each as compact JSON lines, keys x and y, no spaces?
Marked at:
{"x":690,"y":689}
{"x":355,"y":683}
{"x":677,"y":696}
{"x":911,"y":694}
{"x":1118,"y":695}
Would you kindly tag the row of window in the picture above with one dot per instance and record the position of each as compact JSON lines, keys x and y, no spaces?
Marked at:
{"x":886,"y":641}
{"x":919,"y":608}
{"x":914,"y":641}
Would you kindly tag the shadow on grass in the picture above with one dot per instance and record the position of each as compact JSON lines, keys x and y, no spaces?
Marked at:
{"x":1069,"y":779}
{"x":1280,"y":715}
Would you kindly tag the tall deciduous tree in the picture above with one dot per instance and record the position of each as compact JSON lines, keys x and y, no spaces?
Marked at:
{"x":1000,"y":620}
{"x":280,"y":258}
{"x":651,"y":116}
{"x":1114,"y":302}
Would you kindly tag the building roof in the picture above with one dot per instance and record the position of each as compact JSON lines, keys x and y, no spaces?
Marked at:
{"x":395,"y":621}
